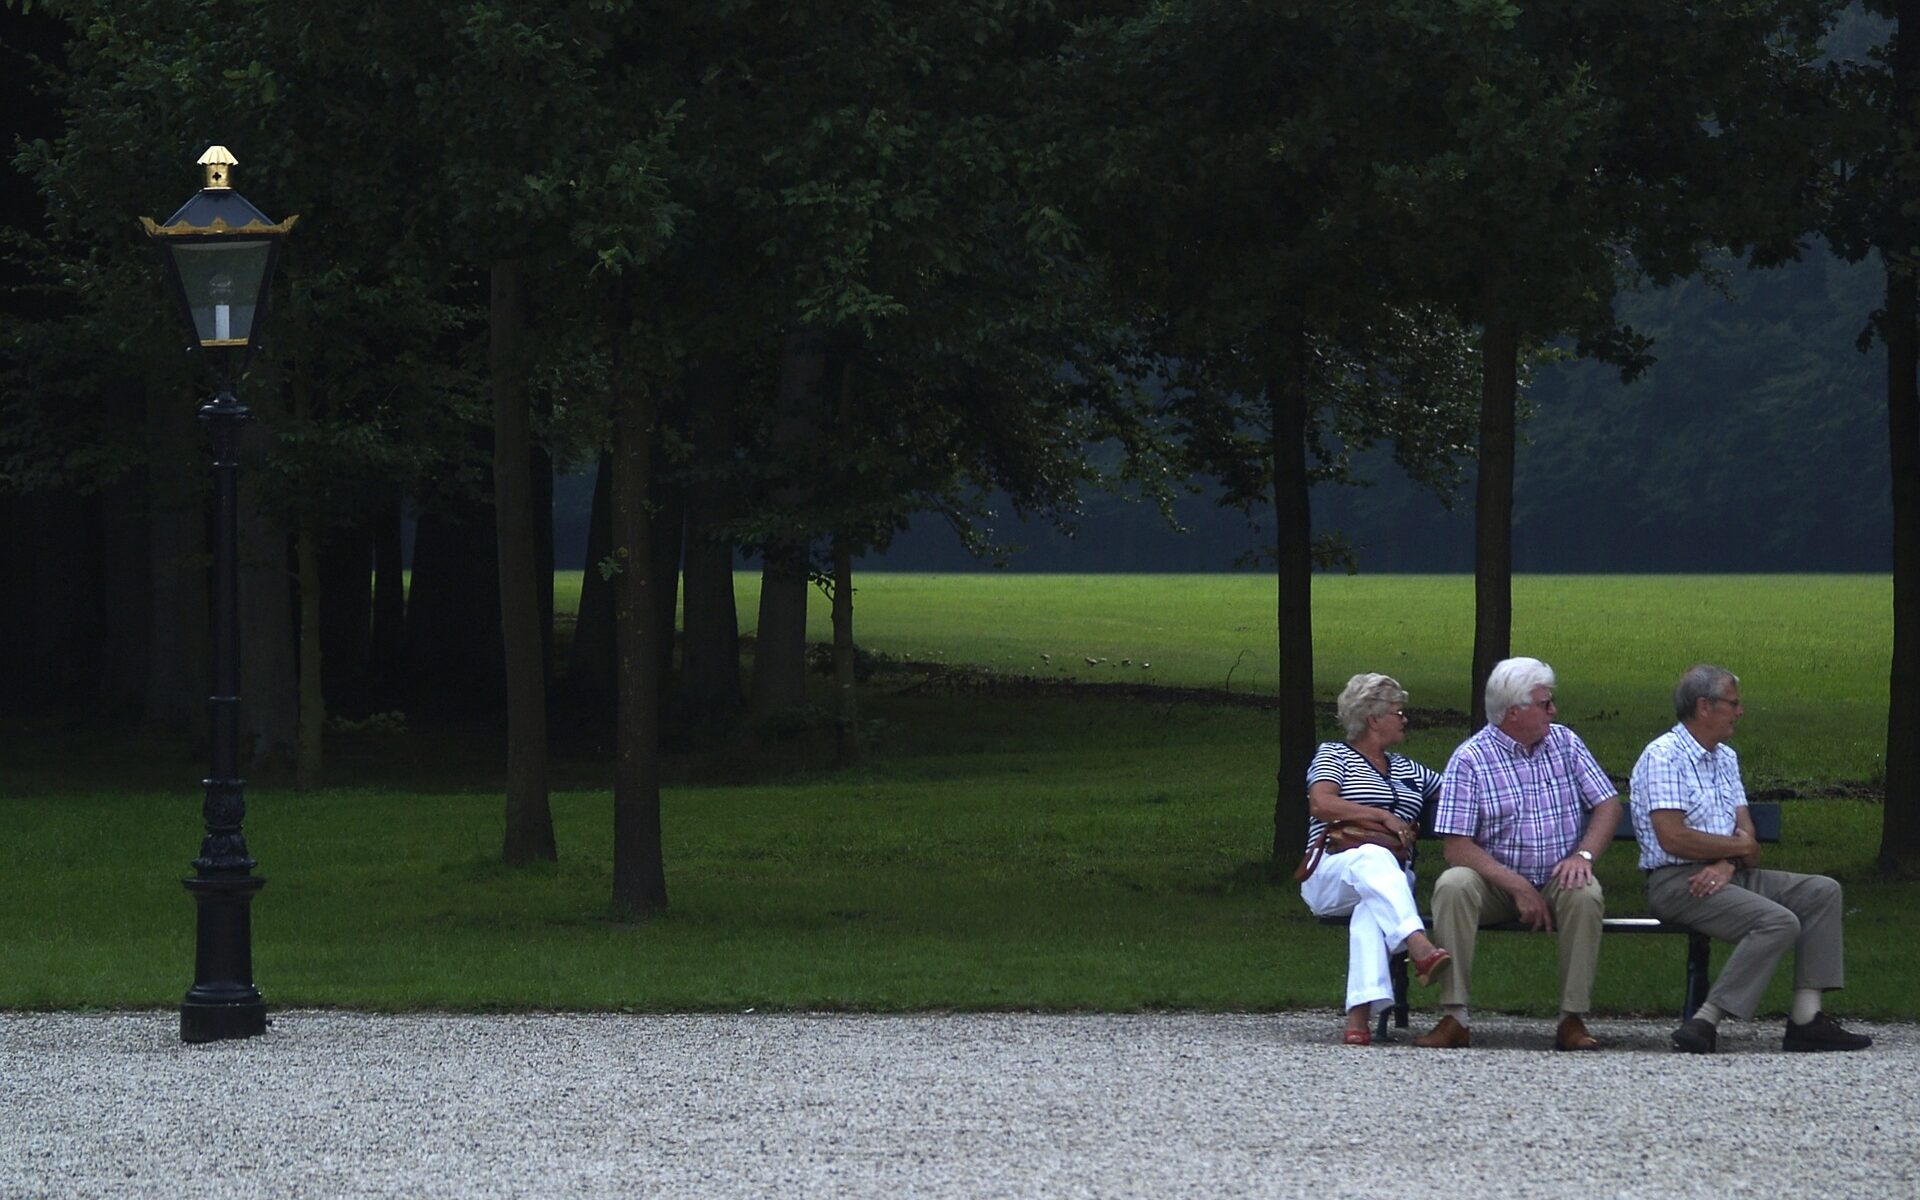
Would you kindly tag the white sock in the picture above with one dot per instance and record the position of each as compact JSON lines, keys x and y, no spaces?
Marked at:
{"x":1710,"y":1013}
{"x":1806,"y":1005}
{"x":1458,"y":1012}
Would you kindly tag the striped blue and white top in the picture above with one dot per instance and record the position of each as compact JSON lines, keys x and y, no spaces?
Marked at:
{"x":1405,"y":790}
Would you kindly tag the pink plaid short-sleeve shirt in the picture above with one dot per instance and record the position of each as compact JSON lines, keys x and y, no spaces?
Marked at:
{"x":1525,"y":808}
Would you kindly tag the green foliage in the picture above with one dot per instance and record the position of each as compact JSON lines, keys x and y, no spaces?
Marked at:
{"x":1755,"y":440}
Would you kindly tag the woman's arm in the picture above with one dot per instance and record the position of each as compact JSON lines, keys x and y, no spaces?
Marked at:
{"x":1325,"y":804}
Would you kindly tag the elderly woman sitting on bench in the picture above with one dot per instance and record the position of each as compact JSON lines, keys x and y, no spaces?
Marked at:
{"x":1363,"y":810}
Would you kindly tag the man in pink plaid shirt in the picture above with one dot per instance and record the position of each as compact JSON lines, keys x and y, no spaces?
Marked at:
{"x":1524,"y":810}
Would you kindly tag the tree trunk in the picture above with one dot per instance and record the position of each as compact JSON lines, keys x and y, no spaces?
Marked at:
{"x":269,"y":720}
{"x":1293,"y":568}
{"x":639,"y":869}
{"x":181,"y":638}
{"x":780,"y":641}
{"x":59,"y":551}
{"x":454,"y":643}
{"x":309,"y":759}
{"x":540,"y":466}
{"x":387,"y":639}
{"x":1900,"y":811}
{"x":15,"y":597}
{"x":591,"y":672}
{"x":529,"y":817}
{"x":346,"y":617}
{"x":1493,"y":508}
{"x":126,"y":583}
{"x":309,"y":762}
{"x":669,"y":508}
{"x":846,"y":701}
{"x":710,"y":641}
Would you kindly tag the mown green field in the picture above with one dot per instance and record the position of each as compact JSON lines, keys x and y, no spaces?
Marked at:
{"x":1074,"y":852}
{"x":1811,"y":650}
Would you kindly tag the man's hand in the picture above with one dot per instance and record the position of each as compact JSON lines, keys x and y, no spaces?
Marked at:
{"x":1572,"y":873}
{"x":1534,"y":912}
{"x":1710,"y":879}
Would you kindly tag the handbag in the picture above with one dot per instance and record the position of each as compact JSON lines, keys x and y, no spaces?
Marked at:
{"x":1340,"y":836}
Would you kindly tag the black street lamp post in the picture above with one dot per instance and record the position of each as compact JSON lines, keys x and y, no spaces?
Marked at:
{"x":220,"y":253}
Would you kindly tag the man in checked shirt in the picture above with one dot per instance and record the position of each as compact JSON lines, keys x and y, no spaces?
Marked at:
{"x":1702,"y":862}
{"x":1525,"y":810}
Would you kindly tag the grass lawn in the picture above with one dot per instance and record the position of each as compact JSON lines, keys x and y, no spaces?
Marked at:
{"x":1050,"y":852}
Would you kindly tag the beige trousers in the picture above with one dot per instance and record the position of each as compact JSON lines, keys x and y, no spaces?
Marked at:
{"x":1762,"y":914}
{"x":1463,"y":901}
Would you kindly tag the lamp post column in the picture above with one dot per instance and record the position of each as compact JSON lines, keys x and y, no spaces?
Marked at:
{"x":223,"y":1003}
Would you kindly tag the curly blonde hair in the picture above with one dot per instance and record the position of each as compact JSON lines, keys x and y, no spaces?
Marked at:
{"x":1367,"y":695}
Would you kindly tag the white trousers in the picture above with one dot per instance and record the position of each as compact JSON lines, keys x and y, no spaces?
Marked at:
{"x":1371,"y":885}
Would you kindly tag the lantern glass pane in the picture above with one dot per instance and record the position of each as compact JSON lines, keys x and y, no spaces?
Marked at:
{"x":222,"y":284}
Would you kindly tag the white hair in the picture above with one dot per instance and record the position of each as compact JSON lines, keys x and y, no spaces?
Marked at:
{"x":1511,"y":685}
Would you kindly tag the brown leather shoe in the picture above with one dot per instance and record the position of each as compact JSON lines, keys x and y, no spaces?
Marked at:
{"x":1573,"y":1035}
{"x":1449,"y":1034}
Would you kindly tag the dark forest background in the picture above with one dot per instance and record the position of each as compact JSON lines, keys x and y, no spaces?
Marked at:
{"x":1755,"y":442}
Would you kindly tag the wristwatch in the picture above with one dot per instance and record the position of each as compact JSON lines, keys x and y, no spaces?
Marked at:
{"x":1586,"y":854}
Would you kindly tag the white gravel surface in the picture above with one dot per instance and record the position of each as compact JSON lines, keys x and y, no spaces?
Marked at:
{"x":340,"y":1104}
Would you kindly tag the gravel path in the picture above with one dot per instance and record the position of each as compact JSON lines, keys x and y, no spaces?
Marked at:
{"x":339,"y":1104}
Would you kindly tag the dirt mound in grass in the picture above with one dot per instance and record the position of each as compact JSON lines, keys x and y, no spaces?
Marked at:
{"x":910,"y":676}
{"x":917,"y":676}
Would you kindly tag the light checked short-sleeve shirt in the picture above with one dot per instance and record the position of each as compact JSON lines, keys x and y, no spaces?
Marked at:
{"x":1526,"y":808}
{"x":1676,"y":771}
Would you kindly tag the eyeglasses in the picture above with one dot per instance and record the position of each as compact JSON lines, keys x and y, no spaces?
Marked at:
{"x":1398,"y":712}
{"x":1547,"y":703}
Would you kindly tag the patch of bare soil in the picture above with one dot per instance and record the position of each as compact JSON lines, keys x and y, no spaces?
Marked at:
{"x":913,"y":676}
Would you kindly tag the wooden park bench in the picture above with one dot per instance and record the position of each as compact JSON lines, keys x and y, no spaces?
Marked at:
{"x":1766,"y":826}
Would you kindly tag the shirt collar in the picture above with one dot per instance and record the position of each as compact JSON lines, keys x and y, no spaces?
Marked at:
{"x":1506,"y":741}
{"x":1690,"y":745}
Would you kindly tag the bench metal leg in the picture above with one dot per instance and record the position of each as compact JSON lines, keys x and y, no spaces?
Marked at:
{"x":1396,"y":1013}
{"x":1698,"y":950}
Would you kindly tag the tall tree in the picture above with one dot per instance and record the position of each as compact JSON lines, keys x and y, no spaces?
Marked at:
{"x":1242,"y":212}
{"x":1878,"y":157}
{"x":1591,"y":145}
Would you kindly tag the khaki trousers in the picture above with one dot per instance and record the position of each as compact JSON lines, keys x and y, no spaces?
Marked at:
{"x":1463,"y":901}
{"x":1761,"y":913}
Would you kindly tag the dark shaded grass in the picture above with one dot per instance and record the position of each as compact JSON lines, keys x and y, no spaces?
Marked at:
{"x":1049,"y":853}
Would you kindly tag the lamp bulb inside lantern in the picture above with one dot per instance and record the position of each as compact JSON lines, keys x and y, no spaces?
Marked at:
{"x":220,"y":287}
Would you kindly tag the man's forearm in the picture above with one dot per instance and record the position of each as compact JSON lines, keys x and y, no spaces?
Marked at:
{"x":1600,"y":827}
{"x":1683,"y":841}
